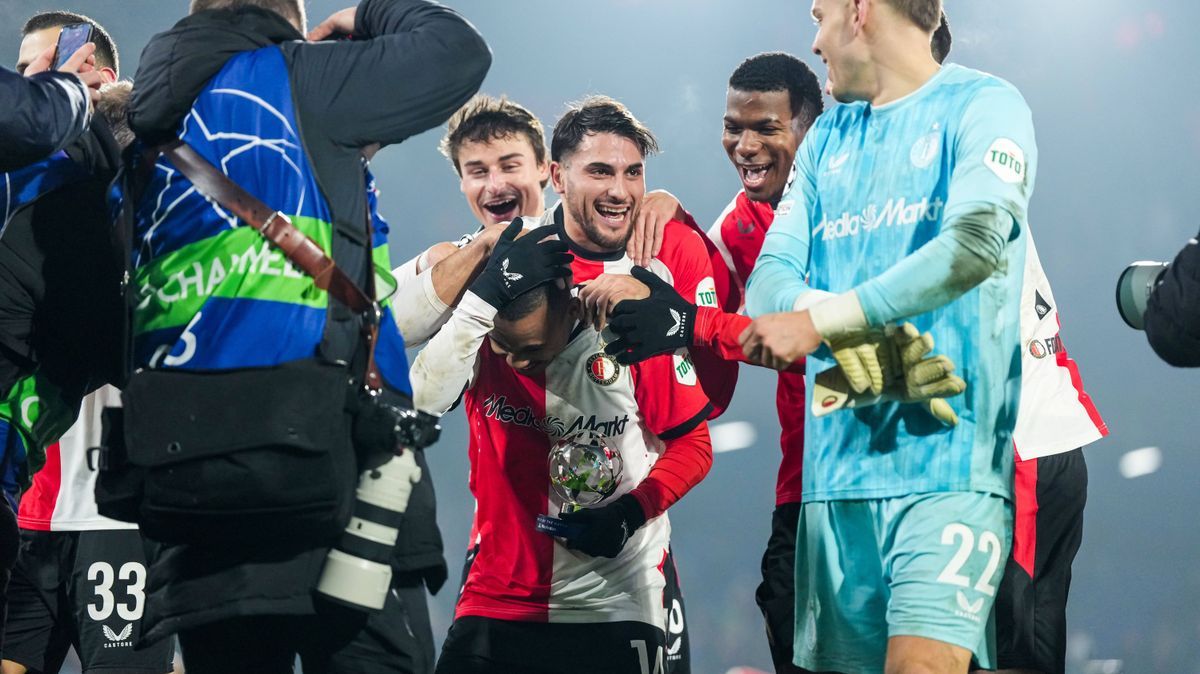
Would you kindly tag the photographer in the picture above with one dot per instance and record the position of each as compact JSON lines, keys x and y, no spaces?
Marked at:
{"x":1173,"y":314}
{"x":240,"y":413}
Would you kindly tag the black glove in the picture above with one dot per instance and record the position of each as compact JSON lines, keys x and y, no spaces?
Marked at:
{"x":662,"y":322}
{"x":519,"y":265}
{"x":605,"y":530}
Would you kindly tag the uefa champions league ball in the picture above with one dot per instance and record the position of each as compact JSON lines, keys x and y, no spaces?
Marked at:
{"x":585,"y":468}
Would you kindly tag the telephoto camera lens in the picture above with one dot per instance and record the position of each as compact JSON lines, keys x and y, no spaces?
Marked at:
{"x":1134,"y":287}
{"x":358,"y":572}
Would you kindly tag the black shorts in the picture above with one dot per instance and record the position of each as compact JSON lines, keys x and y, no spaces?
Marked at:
{"x":678,"y":644}
{"x":478,"y":645}
{"x":1031,"y":607}
{"x":776,"y":594}
{"x":678,"y":656}
{"x":84,"y":589}
{"x":336,"y":640}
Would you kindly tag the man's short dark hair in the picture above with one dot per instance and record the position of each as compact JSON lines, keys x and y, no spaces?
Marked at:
{"x":942,"y":40}
{"x":599,"y":114}
{"x":106,"y":49}
{"x":485,"y":118}
{"x":531,"y":300}
{"x":291,"y":10}
{"x":779,"y":71}
{"x":924,"y":13}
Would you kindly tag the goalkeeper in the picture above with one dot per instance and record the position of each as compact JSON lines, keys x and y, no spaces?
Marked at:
{"x":909,"y":202}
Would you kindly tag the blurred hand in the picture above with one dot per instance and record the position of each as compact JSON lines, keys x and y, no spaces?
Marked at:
{"x":657,"y":208}
{"x":82,"y":64}
{"x":778,"y":340}
{"x":600,"y":296}
{"x":338,"y":23}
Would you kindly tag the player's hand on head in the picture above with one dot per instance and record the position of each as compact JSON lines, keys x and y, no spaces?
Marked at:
{"x":600,"y":295}
{"x":778,"y":340}
{"x":659,"y":323}
{"x":604,"y":531}
{"x":658,"y":207}
{"x":518,"y":265}
{"x":338,"y":23}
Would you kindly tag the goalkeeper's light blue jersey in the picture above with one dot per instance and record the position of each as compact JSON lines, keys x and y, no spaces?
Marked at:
{"x":871,"y":185}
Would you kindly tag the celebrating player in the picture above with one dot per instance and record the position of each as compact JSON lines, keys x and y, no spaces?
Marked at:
{"x":938,"y":162}
{"x":598,"y":159}
{"x":1055,"y":420}
{"x":535,"y":373}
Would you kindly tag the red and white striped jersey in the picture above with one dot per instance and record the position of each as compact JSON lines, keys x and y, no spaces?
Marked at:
{"x":520,"y":573}
{"x":62,"y":497}
{"x":1055,"y":414}
{"x":737,"y":237}
{"x":685,"y":263}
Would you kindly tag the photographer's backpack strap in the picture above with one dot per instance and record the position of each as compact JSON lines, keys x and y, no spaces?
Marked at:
{"x":276,"y":228}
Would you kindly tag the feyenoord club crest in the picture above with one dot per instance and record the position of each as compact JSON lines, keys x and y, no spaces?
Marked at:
{"x":603,"y":368}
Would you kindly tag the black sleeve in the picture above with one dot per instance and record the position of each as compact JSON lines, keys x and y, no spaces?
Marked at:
{"x":411,"y":65}
{"x":1173,"y":314}
{"x":40,"y":115}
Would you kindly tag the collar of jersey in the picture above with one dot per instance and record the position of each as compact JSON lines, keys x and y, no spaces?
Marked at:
{"x":916,"y":95}
{"x":576,"y":249}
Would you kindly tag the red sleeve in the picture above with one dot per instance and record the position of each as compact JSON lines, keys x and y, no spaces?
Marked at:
{"x":668,"y":395}
{"x":720,"y":333}
{"x":683,"y":463}
{"x":727,"y":285}
{"x":687,"y":257}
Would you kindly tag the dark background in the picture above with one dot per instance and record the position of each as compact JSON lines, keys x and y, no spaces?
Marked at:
{"x":1116,"y":104}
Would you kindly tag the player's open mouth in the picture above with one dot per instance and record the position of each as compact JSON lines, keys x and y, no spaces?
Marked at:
{"x":502,"y":210}
{"x":754,"y":176}
{"x":613,"y":215}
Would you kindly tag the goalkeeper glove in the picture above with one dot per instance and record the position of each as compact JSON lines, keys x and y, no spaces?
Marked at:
{"x":867,"y":360}
{"x":914,"y":378}
{"x":519,"y":265}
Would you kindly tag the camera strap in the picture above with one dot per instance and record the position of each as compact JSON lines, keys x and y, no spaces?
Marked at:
{"x":302,"y":251}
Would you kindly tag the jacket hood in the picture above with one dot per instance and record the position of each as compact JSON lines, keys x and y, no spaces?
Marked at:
{"x":176,"y":65}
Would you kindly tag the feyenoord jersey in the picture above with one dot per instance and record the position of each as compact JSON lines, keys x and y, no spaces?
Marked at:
{"x":1055,"y":415}
{"x":738,"y":236}
{"x":685,"y":264}
{"x":520,"y":573}
{"x":62,"y":497}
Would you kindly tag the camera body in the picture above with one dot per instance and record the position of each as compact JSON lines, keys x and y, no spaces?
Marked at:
{"x":1134,"y":288}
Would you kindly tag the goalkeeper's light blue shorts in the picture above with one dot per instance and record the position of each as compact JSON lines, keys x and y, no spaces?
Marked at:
{"x":925,"y":565}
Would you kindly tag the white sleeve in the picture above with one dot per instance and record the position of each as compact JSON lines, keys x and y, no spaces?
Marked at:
{"x":418,"y":310}
{"x":446,"y":366}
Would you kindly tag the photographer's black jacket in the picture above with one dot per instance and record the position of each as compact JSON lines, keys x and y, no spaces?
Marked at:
{"x":411,"y":64}
{"x":40,"y":115}
{"x":1173,"y":314}
{"x":60,"y":270}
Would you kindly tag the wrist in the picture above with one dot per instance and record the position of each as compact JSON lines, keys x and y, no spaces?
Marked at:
{"x":633,"y":511}
{"x":703,"y":327}
{"x":838,"y":316}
